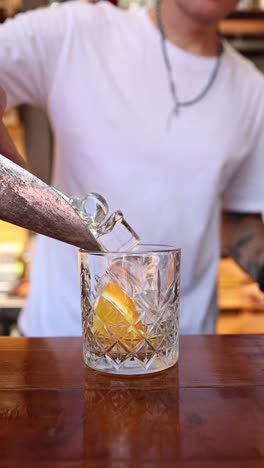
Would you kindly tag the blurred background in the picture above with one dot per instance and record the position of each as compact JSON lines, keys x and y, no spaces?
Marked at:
{"x":241,"y":304}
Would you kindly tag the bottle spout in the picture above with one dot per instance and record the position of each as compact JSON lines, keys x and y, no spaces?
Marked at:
{"x":113,"y":233}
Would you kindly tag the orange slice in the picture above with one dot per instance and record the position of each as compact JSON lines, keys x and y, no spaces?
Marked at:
{"x":116,"y":314}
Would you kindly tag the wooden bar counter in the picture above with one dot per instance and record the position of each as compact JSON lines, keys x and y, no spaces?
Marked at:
{"x":206,"y":412}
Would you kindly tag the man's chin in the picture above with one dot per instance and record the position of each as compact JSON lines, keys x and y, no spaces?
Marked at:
{"x":207,"y":11}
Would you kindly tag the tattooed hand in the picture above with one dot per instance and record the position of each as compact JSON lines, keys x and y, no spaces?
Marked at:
{"x":243,"y":239}
{"x":7,"y":147}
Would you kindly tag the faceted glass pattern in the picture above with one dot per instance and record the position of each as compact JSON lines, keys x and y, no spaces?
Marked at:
{"x":130,"y":309}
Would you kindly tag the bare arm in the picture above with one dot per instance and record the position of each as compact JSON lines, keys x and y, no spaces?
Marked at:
{"x":7,"y":147}
{"x":243,"y":239}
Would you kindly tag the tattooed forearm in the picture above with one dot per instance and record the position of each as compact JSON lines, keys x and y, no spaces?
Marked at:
{"x":243,"y":238}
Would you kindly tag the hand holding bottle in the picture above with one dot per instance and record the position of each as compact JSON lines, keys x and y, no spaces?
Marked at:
{"x":7,"y":147}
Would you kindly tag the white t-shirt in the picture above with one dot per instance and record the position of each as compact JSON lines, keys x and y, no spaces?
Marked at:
{"x":100,"y":74}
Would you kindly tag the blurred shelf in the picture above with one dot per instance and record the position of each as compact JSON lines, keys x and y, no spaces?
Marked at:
{"x":239,"y":323}
{"x":252,"y":13}
{"x":240,"y":301}
{"x":245,"y":27}
{"x":237,"y":291}
{"x":7,"y":302}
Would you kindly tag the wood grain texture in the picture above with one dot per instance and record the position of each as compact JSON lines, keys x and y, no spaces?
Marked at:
{"x":164,"y":424}
{"x":206,"y":412}
{"x":205,"y":361}
{"x":127,"y":464}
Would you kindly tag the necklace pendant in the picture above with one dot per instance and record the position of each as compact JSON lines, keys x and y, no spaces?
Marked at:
{"x":176,"y":111}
